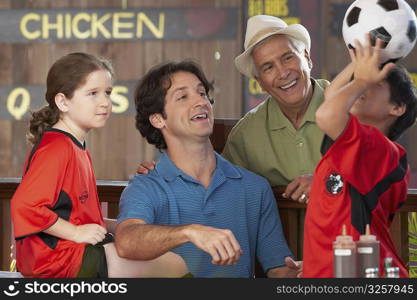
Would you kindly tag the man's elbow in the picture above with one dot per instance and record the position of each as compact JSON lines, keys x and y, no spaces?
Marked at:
{"x":122,"y":247}
{"x":123,"y":243}
{"x":126,"y":250}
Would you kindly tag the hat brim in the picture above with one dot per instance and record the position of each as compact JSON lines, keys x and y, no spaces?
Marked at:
{"x":244,"y":63}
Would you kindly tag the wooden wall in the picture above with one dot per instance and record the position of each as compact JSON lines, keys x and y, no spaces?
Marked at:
{"x":118,"y":147}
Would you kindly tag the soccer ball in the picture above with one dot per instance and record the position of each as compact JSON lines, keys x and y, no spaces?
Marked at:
{"x":392,"y":21}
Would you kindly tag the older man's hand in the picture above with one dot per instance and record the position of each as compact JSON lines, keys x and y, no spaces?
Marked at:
{"x":295,"y":267}
{"x":145,"y":167}
{"x":299,"y":188}
{"x":291,"y":269}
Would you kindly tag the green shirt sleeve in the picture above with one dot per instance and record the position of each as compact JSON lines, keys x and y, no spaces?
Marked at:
{"x":234,"y":150}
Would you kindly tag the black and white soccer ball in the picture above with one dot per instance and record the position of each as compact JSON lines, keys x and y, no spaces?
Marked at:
{"x":393,"y":21}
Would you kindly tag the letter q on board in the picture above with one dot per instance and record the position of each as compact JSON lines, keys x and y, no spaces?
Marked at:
{"x":15,"y":107}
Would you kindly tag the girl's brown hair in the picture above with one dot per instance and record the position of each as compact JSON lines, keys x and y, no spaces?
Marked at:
{"x":66,"y":75}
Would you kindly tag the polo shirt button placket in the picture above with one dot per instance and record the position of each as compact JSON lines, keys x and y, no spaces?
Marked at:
{"x":301,"y":155}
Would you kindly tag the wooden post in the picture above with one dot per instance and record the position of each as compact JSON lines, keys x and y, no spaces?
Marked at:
{"x":7,"y":188}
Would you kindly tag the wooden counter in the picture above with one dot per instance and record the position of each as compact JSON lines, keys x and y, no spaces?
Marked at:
{"x":292,"y":215}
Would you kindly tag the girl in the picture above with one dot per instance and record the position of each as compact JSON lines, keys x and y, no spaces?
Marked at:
{"x":57,"y":220}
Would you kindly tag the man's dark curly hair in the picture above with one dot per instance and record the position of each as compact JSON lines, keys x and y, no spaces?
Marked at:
{"x":150,"y":96}
{"x":402,"y":91}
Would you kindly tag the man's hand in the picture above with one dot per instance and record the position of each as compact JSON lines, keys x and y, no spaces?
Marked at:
{"x":295,"y":267}
{"x":221,"y":244}
{"x":145,"y":167}
{"x":292,"y":269}
{"x":299,"y":188}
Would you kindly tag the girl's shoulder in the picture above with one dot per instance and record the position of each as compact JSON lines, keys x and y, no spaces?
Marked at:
{"x":55,"y":140}
{"x":54,"y":144}
{"x":54,"y":150}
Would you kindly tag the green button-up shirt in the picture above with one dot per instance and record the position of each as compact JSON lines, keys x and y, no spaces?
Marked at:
{"x":264,"y":141}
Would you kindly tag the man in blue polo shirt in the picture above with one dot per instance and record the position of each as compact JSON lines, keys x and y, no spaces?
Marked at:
{"x":217,"y":216}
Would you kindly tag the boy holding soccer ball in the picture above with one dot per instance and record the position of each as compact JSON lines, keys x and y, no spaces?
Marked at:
{"x":363,"y":175}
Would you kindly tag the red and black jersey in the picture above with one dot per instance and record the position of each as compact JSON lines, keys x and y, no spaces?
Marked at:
{"x":361,"y":179}
{"x":58,"y":181}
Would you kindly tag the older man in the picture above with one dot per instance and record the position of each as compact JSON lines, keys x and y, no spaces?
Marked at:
{"x":279,"y":139}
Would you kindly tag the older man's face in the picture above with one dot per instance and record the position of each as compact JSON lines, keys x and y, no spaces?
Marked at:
{"x":283,"y":72}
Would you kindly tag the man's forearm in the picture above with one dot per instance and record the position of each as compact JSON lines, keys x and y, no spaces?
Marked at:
{"x":145,"y":242}
{"x":281,"y":272}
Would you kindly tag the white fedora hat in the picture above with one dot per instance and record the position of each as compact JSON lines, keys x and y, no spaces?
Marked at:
{"x":259,"y":28}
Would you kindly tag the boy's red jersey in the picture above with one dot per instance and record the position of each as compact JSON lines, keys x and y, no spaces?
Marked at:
{"x":361,"y":179}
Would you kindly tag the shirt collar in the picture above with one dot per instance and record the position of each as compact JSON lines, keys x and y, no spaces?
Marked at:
{"x":73,"y":138}
{"x":229,"y":170}
{"x":169,"y":171}
{"x":166,"y":168}
{"x":278,"y":120}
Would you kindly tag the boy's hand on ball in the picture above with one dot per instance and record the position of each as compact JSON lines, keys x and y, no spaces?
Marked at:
{"x":366,"y":60}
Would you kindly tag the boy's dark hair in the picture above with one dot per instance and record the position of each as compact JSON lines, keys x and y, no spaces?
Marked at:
{"x":402,"y":91}
{"x":150,"y":96}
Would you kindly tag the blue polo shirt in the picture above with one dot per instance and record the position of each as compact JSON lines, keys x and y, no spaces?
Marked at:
{"x":236,"y":199}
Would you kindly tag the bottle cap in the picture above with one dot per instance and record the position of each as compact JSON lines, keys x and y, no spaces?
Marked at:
{"x":392,"y":272}
{"x":344,"y":237}
{"x":388,"y":262}
{"x":371,"y":270}
{"x":367,"y":237}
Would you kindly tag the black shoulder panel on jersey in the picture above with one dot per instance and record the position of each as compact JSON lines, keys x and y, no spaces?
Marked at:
{"x":362,"y":205}
{"x":326,"y":144}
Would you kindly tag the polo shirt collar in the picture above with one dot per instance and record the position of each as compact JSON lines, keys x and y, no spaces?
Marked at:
{"x":166,"y":168}
{"x":229,"y":170}
{"x":169,"y":171}
{"x":278,"y":120}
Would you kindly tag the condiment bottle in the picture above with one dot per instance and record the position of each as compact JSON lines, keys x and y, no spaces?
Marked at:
{"x":368,"y":252}
{"x":344,"y":256}
{"x":389,"y":270}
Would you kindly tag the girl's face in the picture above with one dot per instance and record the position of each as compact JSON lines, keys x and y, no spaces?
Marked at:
{"x":90,"y":105}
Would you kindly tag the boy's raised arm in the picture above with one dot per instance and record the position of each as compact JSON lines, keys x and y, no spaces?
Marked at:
{"x":333,"y":115}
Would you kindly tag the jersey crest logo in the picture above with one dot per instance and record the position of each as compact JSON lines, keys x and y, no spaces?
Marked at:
{"x":83,"y":197}
{"x":334,"y":184}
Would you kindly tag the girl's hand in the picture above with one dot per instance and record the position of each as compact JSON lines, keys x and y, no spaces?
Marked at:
{"x":89,"y":233}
